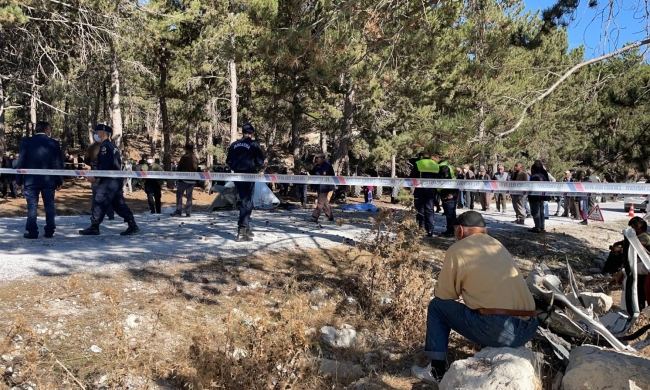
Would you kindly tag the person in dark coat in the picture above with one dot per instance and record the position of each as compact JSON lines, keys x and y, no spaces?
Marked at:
{"x":109,"y":190}
{"x":538,"y":173}
{"x":152,"y":187}
{"x":245,"y":156}
{"x":40,"y":152}
{"x":423,"y":198}
{"x":91,"y":160}
{"x":323,"y":168}
{"x":188,"y":163}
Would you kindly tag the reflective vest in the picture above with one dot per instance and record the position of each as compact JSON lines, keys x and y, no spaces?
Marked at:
{"x":428,"y":167}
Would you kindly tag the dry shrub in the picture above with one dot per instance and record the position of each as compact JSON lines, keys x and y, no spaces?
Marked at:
{"x":264,"y":355}
{"x":395,"y":285}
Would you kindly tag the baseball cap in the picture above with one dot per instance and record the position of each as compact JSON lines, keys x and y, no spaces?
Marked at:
{"x":247,"y":128}
{"x":470,"y":219}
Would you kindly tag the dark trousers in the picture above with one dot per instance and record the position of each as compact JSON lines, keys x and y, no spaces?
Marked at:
{"x":109,"y":211}
{"x":108,"y":193}
{"x":537,"y":211}
{"x":31,"y":195}
{"x":449,"y":208}
{"x":301,"y":193}
{"x":423,"y":200}
{"x":501,"y":201}
{"x":245,"y":190}
{"x":8,"y":186}
{"x":469,"y":200}
{"x":153,"y":199}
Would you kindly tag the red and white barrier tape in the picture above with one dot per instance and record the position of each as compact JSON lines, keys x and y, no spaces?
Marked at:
{"x":513,"y":187}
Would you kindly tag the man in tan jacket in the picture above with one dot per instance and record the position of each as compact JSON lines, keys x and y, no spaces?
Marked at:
{"x":497,"y":309}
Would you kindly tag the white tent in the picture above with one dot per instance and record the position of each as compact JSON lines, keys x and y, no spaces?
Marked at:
{"x":226,"y":196}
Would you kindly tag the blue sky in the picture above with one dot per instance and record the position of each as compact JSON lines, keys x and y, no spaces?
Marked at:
{"x":590,"y":27}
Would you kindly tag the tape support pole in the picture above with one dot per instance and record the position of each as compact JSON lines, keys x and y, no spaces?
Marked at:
{"x":513,"y":187}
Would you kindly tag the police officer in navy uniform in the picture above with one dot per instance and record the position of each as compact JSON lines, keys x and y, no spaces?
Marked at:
{"x":108,"y":190}
{"x":40,"y":152}
{"x":245,"y":156}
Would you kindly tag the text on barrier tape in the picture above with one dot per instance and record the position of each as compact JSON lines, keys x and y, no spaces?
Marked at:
{"x":514,"y":187}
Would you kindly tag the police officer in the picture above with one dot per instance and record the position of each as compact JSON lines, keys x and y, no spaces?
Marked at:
{"x":40,"y":152}
{"x":91,"y":159}
{"x":245,"y":156}
{"x":108,"y":191}
{"x":425,"y":168}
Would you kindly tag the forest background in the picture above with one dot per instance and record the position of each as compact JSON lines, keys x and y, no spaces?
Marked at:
{"x":368,"y":82}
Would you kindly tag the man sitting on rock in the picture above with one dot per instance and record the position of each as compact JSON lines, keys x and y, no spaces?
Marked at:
{"x":497,"y":310}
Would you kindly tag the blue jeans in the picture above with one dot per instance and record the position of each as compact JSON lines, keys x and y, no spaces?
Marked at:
{"x":31,"y":195}
{"x":486,"y":330}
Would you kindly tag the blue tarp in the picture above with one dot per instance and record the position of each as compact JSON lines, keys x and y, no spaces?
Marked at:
{"x":360,"y":207}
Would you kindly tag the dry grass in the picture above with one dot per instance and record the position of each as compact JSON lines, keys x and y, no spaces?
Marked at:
{"x":234,"y":324}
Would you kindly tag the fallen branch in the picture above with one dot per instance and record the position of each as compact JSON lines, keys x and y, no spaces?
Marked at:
{"x":565,"y":76}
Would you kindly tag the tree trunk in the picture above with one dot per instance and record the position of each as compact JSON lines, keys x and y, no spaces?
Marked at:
{"x":296,"y":119}
{"x":82,"y":130}
{"x":33,"y":103}
{"x":341,"y":158}
{"x":116,"y":110}
{"x":211,"y":110}
{"x":68,"y":135}
{"x":323,"y":142}
{"x":233,"y":101}
{"x":3,"y":141}
{"x":162,"y":99}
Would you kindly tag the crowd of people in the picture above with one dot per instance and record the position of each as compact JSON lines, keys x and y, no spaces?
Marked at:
{"x":429,"y":201}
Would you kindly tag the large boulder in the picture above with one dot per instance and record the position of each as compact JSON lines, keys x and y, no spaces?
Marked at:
{"x":596,"y":368}
{"x":339,"y":338}
{"x":492,"y":369}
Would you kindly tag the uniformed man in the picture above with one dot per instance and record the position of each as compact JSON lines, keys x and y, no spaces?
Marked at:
{"x":425,"y":168}
{"x":40,"y":152}
{"x":245,"y":156}
{"x":108,"y":190}
{"x":91,"y":160}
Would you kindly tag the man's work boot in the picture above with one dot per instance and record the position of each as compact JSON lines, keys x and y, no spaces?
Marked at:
{"x":131,"y":230}
{"x":249,"y":233}
{"x":92,"y":230}
{"x":242,"y":235}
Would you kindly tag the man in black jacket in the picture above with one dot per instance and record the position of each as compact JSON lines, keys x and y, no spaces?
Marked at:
{"x":40,"y":152}
{"x":245,"y":156}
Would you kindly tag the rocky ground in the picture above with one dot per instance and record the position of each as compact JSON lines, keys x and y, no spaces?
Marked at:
{"x":312,"y":307}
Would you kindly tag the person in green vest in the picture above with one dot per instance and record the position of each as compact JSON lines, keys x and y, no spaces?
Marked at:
{"x":425,"y":168}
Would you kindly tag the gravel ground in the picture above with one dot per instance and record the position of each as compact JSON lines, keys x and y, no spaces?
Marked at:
{"x":199,"y":237}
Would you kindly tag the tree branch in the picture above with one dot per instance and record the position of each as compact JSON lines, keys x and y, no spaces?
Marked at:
{"x":565,"y":76}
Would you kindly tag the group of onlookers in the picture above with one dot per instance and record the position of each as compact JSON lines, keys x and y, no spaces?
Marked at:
{"x":527,"y":206}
